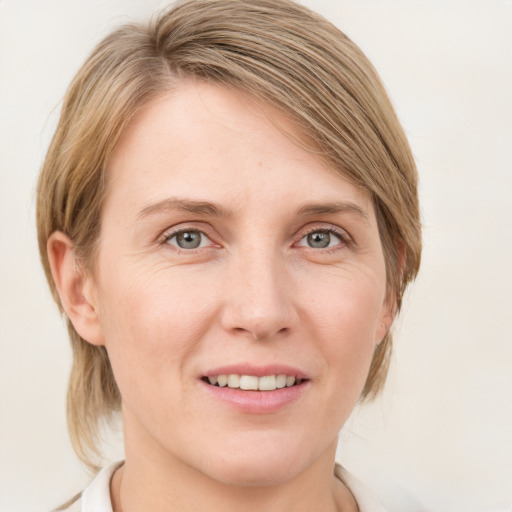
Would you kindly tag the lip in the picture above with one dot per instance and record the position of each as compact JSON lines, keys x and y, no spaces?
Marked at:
{"x":256,"y":402}
{"x":257,"y":371}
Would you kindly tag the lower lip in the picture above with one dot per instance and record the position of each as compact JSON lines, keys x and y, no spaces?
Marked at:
{"x":257,"y":402}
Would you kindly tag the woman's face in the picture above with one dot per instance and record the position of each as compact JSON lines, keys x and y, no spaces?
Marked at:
{"x":227,"y":250}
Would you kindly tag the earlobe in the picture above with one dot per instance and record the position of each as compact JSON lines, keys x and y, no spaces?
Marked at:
{"x":386,"y":319}
{"x":390,"y":307}
{"x":74,"y":288}
{"x":383,"y":330}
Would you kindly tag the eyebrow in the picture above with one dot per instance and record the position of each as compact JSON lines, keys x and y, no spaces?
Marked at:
{"x":332,"y":208}
{"x":185,"y":205}
{"x":210,"y":209}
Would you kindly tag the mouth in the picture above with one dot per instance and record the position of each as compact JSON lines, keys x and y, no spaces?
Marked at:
{"x":262,"y":389}
{"x":253,"y":382}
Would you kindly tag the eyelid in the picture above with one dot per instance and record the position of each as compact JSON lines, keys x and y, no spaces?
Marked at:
{"x":343,"y":235}
{"x":345,"y":238}
{"x":170,"y":233}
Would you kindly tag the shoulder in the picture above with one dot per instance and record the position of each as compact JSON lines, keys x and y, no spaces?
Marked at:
{"x":364,"y":498}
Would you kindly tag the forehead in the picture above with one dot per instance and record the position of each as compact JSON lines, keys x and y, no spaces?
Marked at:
{"x":199,"y":112}
{"x":222,"y":144}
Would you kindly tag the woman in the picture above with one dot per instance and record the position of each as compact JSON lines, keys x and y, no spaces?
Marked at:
{"x":228,"y":217}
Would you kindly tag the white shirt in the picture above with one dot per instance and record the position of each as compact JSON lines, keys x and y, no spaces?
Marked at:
{"x":96,"y":498}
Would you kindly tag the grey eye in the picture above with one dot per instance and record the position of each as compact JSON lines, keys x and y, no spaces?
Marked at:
{"x":187,"y":239}
{"x":319,"y":239}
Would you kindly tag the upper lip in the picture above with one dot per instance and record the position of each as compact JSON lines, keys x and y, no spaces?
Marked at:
{"x":257,"y":371}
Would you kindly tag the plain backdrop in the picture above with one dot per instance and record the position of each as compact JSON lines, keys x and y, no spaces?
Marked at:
{"x":440,"y":437}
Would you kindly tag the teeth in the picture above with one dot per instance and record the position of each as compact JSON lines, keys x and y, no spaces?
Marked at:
{"x":280,"y":381}
{"x":248,"y":382}
{"x":233,"y":381}
{"x":251,"y":382}
{"x":267,"y":383}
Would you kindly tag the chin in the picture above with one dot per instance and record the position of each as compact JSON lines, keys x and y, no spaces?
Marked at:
{"x":254,"y":474}
{"x":261,"y":466}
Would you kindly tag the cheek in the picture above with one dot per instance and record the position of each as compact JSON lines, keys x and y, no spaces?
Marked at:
{"x":152,"y":323}
{"x":345,"y":318}
{"x":348,"y":304}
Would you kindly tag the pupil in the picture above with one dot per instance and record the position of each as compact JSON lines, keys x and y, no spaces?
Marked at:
{"x":319,"y":239}
{"x":188,"y":239}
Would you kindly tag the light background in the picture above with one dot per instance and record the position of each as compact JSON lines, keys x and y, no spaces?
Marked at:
{"x":440,"y":438}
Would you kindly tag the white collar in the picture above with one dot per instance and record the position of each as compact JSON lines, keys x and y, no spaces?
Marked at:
{"x":96,"y":498}
{"x":364,"y":498}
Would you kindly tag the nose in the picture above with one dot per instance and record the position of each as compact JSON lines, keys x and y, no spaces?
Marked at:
{"x":259,"y":297}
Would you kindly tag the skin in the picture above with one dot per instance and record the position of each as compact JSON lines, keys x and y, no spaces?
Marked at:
{"x":254,"y":291}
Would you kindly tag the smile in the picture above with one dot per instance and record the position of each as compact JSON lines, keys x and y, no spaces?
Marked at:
{"x":261,"y":389}
{"x":252,"y":382}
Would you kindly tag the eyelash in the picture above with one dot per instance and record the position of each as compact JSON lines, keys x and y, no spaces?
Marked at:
{"x":344,"y":239}
{"x":166,"y":237}
{"x":343,"y":236}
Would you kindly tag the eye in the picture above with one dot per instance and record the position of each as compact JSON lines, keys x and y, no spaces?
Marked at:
{"x":188,"y":239}
{"x":321,"y":239}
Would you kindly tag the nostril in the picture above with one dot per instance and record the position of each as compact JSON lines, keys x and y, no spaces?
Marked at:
{"x":261,"y":335}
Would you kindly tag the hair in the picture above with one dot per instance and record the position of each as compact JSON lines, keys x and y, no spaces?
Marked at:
{"x":278,"y":52}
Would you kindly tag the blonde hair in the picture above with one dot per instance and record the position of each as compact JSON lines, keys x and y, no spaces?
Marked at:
{"x":277,"y":51}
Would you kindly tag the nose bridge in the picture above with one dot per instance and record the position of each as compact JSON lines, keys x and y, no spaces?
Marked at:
{"x":259,"y":301}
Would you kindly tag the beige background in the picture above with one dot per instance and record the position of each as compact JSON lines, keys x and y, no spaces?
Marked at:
{"x":440,"y":438}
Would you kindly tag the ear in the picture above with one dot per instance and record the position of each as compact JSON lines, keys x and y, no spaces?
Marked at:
{"x":386,"y":318}
{"x":390,"y":306}
{"x":75,"y":288}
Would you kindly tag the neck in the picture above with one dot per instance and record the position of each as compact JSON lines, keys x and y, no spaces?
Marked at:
{"x":137,"y":493}
{"x":153,"y":480}
{"x":141,"y":486}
